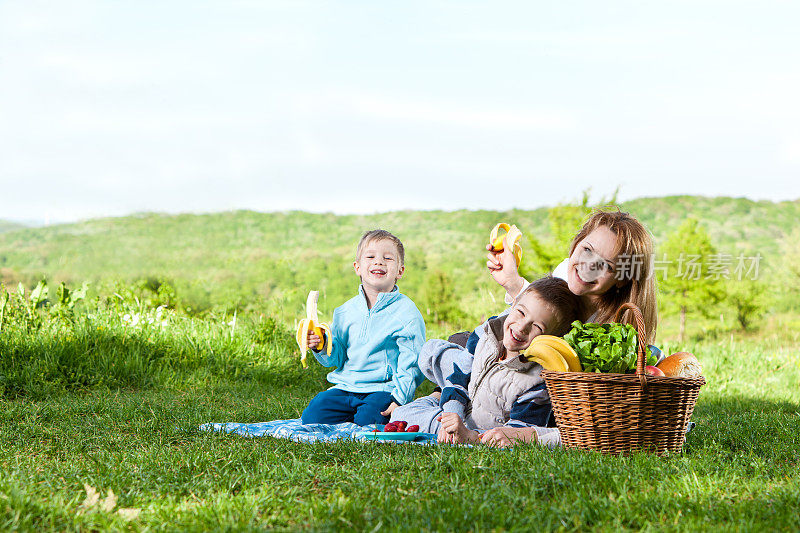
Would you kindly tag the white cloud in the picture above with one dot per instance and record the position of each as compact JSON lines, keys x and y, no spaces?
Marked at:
{"x":478,"y":117}
{"x":388,"y":108}
{"x":107,"y":108}
{"x":790,"y":151}
{"x":96,"y":67}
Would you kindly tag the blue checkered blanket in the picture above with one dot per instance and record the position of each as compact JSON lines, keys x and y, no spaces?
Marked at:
{"x":295,"y":430}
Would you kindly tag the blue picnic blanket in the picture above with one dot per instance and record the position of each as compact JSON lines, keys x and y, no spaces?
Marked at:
{"x":294,"y":429}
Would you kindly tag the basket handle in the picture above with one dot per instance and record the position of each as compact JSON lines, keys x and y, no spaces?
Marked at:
{"x":637,"y":318}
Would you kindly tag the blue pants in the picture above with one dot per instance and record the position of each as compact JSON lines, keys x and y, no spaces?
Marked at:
{"x":334,"y":406}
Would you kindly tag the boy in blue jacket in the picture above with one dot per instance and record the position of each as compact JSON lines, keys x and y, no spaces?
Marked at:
{"x":377,"y":336}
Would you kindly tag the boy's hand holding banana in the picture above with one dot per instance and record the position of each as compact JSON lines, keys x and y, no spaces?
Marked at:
{"x":310,"y":331}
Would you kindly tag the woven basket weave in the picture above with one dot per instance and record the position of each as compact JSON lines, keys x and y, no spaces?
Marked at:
{"x":620,"y":413}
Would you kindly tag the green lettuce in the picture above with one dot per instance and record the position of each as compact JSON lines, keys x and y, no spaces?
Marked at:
{"x":606,"y":347}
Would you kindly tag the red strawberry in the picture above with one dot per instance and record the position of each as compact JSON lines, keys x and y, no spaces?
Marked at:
{"x":390,"y":428}
{"x":412,"y":429}
{"x":401,"y":425}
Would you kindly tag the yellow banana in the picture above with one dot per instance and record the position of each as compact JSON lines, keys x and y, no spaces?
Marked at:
{"x":512,"y":236}
{"x":311,"y":324}
{"x":546,"y":356}
{"x":563,"y":348}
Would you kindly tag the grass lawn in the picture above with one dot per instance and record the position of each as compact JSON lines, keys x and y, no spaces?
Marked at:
{"x":110,"y":397}
{"x":739,"y":470}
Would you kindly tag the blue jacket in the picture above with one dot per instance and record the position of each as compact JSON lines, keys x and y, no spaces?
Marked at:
{"x":376,"y":349}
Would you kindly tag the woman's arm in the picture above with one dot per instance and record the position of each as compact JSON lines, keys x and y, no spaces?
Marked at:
{"x":507,"y":436}
{"x":504,"y":270}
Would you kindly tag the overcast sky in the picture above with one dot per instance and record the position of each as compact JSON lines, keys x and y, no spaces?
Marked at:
{"x":114,"y":107}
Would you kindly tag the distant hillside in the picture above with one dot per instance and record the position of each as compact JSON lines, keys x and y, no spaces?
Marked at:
{"x":246,"y":257}
{"x":5,"y":225}
{"x":735,"y":224}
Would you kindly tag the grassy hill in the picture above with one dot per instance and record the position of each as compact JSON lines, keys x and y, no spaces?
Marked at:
{"x":268,"y":261}
{"x":5,"y":225}
{"x":100,"y":409}
{"x":735,"y":224}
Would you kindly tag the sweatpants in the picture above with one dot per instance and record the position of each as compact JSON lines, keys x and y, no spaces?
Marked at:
{"x":335,"y":406}
{"x":448,"y":366}
{"x":422,"y":412}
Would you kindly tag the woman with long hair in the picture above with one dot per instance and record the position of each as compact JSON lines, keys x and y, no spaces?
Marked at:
{"x":609,"y":264}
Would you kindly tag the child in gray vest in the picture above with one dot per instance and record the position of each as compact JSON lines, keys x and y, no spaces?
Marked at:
{"x":497,"y":386}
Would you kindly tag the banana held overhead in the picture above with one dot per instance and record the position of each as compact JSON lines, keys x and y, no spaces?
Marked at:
{"x":512,"y":236}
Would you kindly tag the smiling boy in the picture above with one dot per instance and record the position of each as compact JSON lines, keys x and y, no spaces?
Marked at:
{"x":376,"y":337}
{"x":497,"y":386}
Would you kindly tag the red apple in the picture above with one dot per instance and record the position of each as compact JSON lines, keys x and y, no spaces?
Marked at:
{"x":653,"y":371}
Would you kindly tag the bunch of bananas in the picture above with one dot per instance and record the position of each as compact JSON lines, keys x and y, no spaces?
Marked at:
{"x":553,"y":353}
{"x":311,"y":324}
{"x":511,"y":234}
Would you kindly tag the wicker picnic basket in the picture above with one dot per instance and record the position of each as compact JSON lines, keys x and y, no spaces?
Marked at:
{"x":620,"y":413}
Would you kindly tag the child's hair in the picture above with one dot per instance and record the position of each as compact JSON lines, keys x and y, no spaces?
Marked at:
{"x":379,"y":235}
{"x":634,"y":243}
{"x":555,"y":293}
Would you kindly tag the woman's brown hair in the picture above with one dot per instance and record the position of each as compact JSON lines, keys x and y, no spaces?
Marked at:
{"x":635,"y":244}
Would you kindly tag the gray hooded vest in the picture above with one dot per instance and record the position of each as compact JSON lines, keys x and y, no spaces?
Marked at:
{"x":495,"y":385}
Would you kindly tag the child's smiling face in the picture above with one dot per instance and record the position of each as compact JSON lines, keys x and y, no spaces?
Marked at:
{"x":531,"y":316}
{"x":379,"y":265}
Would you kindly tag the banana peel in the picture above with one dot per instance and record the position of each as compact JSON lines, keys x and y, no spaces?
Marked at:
{"x":511,"y":234}
{"x":311,"y":324}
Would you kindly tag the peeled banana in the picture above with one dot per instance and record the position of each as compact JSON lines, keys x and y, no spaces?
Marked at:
{"x":512,"y":235}
{"x":311,"y":324}
{"x":553,"y":353}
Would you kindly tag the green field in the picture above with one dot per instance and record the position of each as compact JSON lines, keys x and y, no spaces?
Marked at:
{"x":9,"y":226}
{"x":100,"y":403}
{"x":267,"y":262}
{"x":109,"y":394}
